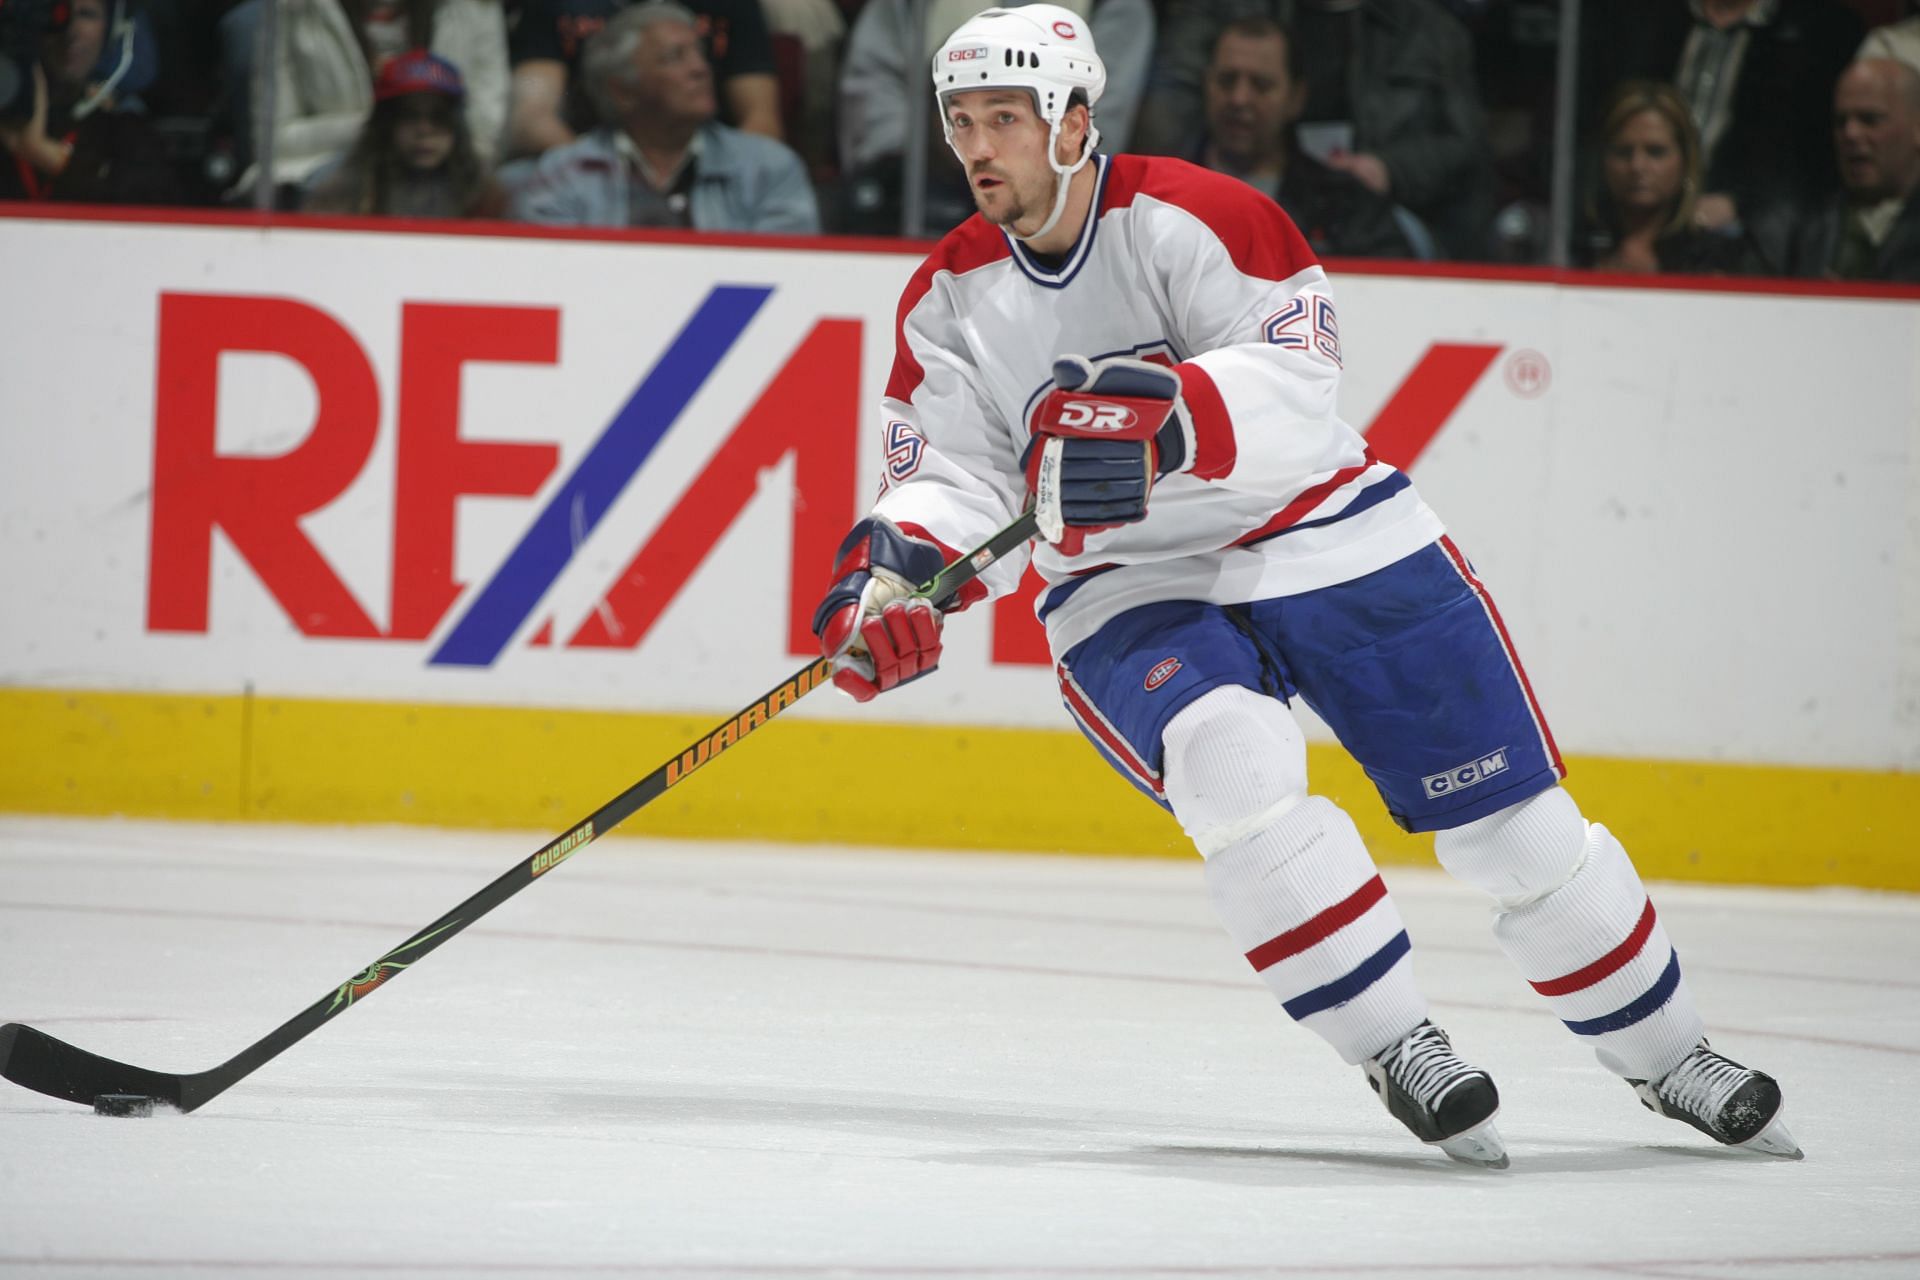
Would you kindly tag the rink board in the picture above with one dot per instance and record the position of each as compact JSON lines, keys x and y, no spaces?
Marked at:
{"x":298,"y":760}
{"x":346,"y":523}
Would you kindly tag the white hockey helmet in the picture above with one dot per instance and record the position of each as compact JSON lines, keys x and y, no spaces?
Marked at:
{"x":1045,"y":49}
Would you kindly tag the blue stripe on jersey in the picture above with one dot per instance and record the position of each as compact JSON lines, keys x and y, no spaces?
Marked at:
{"x":1058,"y":595}
{"x":1338,"y":992}
{"x":1658,"y":994}
{"x":1371,"y":496}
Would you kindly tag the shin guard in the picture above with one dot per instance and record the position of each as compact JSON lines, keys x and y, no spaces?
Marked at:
{"x":1595,"y":948}
{"x":1303,"y":900}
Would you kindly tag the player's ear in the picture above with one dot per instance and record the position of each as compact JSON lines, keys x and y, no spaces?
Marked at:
{"x":1073,"y":132}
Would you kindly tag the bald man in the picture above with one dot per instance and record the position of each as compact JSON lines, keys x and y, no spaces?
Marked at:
{"x":1871,"y":229}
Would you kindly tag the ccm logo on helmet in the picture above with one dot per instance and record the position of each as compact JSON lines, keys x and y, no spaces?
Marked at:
{"x":968,"y":54}
{"x":1162,"y":672}
{"x":1083,"y":415}
{"x":1064,"y":30}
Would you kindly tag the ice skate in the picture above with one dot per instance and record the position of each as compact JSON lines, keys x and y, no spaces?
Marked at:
{"x":1443,"y":1100}
{"x":1729,"y":1103}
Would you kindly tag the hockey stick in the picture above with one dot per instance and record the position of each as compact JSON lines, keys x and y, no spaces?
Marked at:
{"x":51,"y":1066}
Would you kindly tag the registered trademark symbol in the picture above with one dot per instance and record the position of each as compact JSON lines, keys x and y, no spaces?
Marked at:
{"x":1528,"y":374}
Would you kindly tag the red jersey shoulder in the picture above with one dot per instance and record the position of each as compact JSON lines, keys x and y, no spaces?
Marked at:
{"x":973,"y":244}
{"x":1256,"y":232}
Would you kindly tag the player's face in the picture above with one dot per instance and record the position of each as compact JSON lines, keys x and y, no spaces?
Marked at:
{"x":1644,"y":167}
{"x":1876,"y":134}
{"x":1250,"y":98}
{"x":1002,"y":141}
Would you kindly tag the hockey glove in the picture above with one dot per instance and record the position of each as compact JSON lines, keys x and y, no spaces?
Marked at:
{"x":1102,"y":436}
{"x":877,"y":634}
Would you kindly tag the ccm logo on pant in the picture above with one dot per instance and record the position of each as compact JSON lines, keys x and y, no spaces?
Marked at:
{"x":1462,"y":776}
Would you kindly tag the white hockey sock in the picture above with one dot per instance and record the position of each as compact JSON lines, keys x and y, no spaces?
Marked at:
{"x":1596,"y":950}
{"x":1303,"y":900}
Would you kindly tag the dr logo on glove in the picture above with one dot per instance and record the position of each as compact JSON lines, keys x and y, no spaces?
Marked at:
{"x":1101,"y":437}
{"x":877,"y":633}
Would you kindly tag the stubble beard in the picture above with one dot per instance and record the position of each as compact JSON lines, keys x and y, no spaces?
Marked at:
{"x":1018,"y":206}
{"x":1007,"y":217}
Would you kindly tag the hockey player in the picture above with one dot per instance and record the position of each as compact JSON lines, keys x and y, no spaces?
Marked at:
{"x":1148,"y":353}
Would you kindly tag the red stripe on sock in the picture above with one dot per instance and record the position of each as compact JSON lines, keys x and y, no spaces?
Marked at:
{"x":1323,"y":926}
{"x":1606,"y":965}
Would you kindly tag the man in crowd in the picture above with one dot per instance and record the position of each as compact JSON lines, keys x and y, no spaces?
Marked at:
{"x":1392,"y":101}
{"x":550,"y":106}
{"x":1255,"y":92}
{"x":1870,"y":230}
{"x":658,"y":157}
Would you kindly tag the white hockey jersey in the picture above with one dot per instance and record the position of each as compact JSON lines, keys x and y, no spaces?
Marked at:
{"x":1181,"y":265}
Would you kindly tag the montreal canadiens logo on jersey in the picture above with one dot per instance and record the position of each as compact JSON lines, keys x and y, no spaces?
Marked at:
{"x":1162,"y":672}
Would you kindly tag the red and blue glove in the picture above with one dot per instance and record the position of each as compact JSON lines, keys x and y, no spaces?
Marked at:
{"x":1101,"y":437}
{"x":877,"y":633}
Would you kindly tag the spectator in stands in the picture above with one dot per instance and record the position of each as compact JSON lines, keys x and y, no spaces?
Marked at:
{"x":324,"y":60}
{"x":1254,"y":92}
{"x":1870,"y":230}
{"x":469,"y":34}
{"x":1392,"y":101}
{"x":76,"y":143}
{"x":659,"y":158}
{"x":1641,"y":217}
{"x":884,"y":66}
{"x":323,"y":93}
{"x":416,"y":157}
{"x":1757,"y":76}
{"x":551,"y":107}
{"x":1899,"y":40}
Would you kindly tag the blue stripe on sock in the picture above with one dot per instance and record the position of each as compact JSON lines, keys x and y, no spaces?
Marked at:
{"x":1658,"y":994}
{"x":1341,"y":990}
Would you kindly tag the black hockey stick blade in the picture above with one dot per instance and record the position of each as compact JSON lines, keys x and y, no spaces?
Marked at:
{"x":46,"y":1064}
{"x":54,"y":1067}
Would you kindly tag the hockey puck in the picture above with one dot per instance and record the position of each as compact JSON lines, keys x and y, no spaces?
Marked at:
{"x":123,"y":1104}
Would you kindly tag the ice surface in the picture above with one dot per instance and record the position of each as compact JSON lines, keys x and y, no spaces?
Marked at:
{"x":706,"y":1060}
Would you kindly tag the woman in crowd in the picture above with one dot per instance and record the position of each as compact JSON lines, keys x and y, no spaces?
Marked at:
{"x":1643,"y":215}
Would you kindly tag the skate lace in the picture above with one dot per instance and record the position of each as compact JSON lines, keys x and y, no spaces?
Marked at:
{"x":1703,"y":1083}
{"x":1424,"y":1065}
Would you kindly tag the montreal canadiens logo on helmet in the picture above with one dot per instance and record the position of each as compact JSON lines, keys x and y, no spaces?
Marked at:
{"x":1065,"y":30}
{"x":1161,"y":673}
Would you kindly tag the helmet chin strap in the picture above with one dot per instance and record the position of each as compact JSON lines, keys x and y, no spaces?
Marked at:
{"x":1064,"y":176}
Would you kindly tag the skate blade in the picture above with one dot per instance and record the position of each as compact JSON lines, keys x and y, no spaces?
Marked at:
{"x":1774,"y":1140}
{"x":1480,"y":1145}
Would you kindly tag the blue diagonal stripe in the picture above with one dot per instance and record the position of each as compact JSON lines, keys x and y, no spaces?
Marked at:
{"x":1341,"y":990}
{"x":507,"y":600}
{"x":1656,"y":995}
